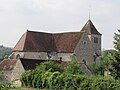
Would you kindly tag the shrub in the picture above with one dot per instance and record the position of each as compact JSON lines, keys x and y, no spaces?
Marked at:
{"x":104,"y":83}
{"x":26,"y":78}
{"x":74,"y":68}
{"x":38,"y":78}
{"x":6,"y":86}
{"x":72,"y":79}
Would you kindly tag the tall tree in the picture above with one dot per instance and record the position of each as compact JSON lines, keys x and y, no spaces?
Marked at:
{"x":116,"y":60}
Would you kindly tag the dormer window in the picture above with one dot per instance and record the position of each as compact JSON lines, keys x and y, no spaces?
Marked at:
{"x":95,"y":39}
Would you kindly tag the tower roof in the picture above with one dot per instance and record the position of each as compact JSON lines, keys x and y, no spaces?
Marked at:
{"x":90,"y":28}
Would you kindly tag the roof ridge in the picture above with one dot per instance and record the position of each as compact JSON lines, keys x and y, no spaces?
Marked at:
{"x":52,"y":33}
{"x":25,"y":39}
{"x":38,"y":32}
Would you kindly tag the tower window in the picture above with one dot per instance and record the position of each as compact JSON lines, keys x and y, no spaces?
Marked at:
{"x":95,"y":39}
{"x":85,"y":42}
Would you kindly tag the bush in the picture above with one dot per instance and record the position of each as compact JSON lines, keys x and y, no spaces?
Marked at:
{"x":104,"y":83}
{"x":52,"y":78}
{"x":6,"y":86}
{"x":74,"y":68}
{"x":26,"y":78}
{"x":38,"y":78}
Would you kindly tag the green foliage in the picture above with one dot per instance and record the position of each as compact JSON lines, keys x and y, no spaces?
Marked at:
{"x":26,"y":78}
{"x":73,"y":67}
{"x":38,"y":77}
{"x":6,"y":86}
{"x":48,"y":65}
{"x":1,"y":74}
{"x":117,"y":41}
{"x":104,"y":83}
{"x":115,"y":72}
{"x":5,"y":51}
{"x":104,"y":64}
{"x":71,"y":79}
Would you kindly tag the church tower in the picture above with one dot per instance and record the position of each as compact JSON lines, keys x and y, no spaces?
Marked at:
{"x":94,"y":36}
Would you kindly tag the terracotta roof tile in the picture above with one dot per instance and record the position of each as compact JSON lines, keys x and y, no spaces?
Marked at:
{"x":33,"y":41}
{"x":38,"y":41}
{"x":66,"y":42}
{"x":90,"y":28}
{"x":43,"y":42}
{"x":20,"y":45}
{"x":8,"y":64}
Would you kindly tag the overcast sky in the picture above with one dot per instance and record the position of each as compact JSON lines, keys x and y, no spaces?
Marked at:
{"x":16,"y":16}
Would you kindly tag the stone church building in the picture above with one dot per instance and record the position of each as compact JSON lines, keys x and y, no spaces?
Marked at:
{"x":84,"y":45}
{"x":35,"y":47}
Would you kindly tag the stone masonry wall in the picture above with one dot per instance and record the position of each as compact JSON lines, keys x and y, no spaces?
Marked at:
{"x":84,"y":50}
{"x":17,"y":71}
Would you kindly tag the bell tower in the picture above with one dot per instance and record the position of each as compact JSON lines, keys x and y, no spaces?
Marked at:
{"x":94,"y":36}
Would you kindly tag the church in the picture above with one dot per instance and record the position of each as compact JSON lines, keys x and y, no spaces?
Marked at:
{"x":34,"y":47}
{"x":84,"y":45}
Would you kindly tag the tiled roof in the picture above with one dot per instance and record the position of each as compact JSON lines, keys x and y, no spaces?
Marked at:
{"x":42,"y":42}
{"x":20,"y":45}
{"x":33,"y":41}
{"x":90,"y":28}
{"x":7,"y":64}
{"x":66,"y":42}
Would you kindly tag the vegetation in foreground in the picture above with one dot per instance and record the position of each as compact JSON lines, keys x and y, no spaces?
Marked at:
{"x":49,"y":75}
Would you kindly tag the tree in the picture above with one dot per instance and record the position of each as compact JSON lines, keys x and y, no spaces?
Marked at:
{"x":104,"y":65}
{"x":117,"y":41}
{"x":73,"y":67}
{"x":4,"y":51}
{"x":116,"y":60}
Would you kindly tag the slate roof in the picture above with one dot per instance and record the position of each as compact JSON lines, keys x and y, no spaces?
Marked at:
{"x":42,"y":42}
{"x":7,"y":64}
{"x":90,"y":28}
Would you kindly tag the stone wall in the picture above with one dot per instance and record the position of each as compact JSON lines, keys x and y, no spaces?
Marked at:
{"x":43,"y":55}
{"x":84,"y":50}
{"x":17,"y":71}
{"x":65,"y":56}
{"x":97,"y":46}
{"x":6,"y":76}
{"x":13,"y":74}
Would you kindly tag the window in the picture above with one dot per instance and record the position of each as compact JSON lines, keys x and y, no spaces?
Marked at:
{"x":95,"y":39}
{"x":85,"y":42}
{"x":18,"y":56}
{"x":49,"y":54}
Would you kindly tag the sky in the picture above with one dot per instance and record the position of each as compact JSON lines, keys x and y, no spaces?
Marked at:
{"x":16,"y":16}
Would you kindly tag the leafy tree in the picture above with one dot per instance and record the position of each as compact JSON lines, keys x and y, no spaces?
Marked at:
{"x":116,"y":60}
{"x":73,"y":67}
{"x":43,"y":77}
{"x":4,"y":51}
{"x":104,"y":64}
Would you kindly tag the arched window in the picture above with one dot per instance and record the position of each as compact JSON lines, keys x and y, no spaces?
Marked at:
{"x":18,"y":56}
